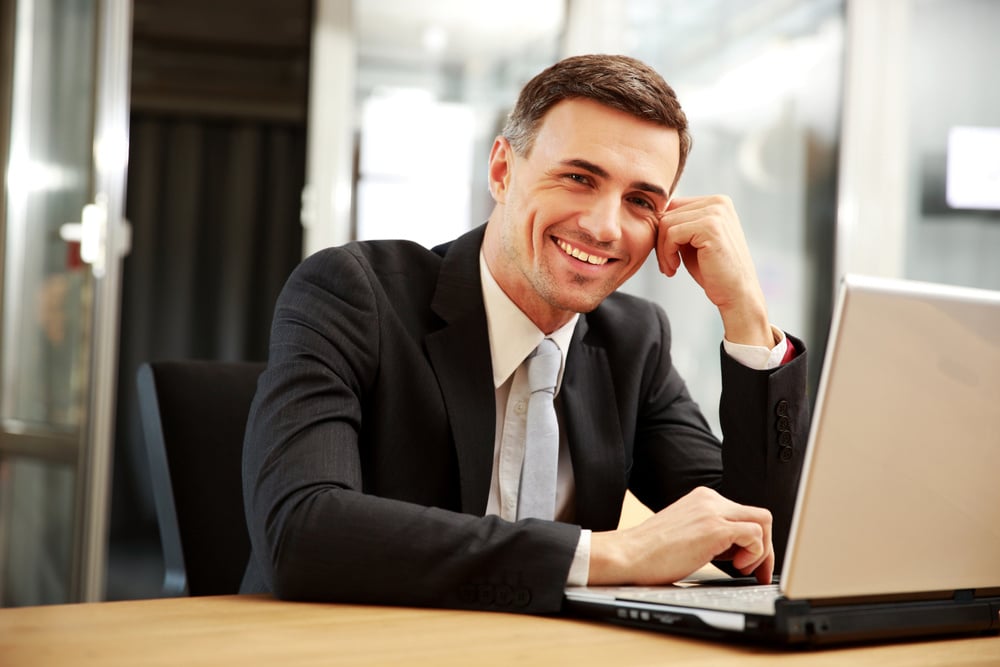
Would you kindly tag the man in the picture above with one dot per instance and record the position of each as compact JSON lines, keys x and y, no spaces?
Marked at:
{"x":375,"y":462}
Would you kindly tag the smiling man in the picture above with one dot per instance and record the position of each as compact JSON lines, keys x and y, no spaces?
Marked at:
{"x":387,"y":453}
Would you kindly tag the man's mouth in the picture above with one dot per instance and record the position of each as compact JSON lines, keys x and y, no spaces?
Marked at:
{"x":581,"y":255}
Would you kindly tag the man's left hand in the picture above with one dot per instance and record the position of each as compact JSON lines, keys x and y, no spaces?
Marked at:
{"x":705,"y":233}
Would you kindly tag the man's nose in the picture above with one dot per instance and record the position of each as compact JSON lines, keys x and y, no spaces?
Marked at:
{"x":602,"y":221}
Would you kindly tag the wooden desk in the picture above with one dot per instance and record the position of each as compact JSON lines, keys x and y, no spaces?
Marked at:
{"x":258,"y":630}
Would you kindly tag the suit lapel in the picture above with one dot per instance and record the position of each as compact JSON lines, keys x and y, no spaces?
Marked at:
{"x":594,"y":432}
{"x":460,"y":355}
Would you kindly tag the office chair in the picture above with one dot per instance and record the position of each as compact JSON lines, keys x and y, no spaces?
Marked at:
{"x":193,"y":417}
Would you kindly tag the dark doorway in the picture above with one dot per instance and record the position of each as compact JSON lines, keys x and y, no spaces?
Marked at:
{"x":216,"y":171}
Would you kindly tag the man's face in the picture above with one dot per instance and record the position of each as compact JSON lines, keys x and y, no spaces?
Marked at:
{"x":577,"y":216}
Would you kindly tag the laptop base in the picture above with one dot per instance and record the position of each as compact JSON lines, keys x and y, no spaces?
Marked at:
{"x":801,"y":624}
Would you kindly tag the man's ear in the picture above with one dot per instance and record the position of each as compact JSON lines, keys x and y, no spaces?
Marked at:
{"x":501,"y":164}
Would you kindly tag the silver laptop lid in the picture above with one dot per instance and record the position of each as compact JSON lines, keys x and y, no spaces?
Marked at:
{"x":900,"y":488}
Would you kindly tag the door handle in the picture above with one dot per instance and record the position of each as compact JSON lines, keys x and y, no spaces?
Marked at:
{"x":92,"y":235}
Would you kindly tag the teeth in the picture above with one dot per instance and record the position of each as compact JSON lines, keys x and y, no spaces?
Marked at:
{"x":580,"y":255}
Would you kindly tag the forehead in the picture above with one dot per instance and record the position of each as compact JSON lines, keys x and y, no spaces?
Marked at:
{"x":623,"y":145}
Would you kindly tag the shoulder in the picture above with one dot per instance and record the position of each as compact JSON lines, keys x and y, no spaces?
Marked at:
{"x":382,"y":256}
{"x":366,"y":265}
{"x":353,"y":292}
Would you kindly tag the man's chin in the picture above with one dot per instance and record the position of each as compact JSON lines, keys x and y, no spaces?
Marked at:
{"x":575,"y":293}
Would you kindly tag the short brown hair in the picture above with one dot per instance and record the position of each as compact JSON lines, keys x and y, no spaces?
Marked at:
{"x":619,"y":82}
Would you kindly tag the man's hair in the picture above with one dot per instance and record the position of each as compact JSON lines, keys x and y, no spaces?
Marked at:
{"x":618,"y":82}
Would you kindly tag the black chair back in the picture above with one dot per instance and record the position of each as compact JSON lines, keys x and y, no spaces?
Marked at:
{"x":194,"y":415}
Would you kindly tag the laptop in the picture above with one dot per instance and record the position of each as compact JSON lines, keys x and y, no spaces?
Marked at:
{"x":896,"y":528}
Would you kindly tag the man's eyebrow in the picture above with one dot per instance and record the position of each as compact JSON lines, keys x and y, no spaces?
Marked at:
{"x":601,"y":172}
{"x":587,"y":166}
{"x":649,"y":187}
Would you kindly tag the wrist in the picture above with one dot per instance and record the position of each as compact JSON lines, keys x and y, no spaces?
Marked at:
{"x":748,"y":327}
{"x":607,"y":559}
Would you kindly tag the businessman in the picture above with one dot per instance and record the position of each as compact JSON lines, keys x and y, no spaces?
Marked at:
{"x":387,"y":457}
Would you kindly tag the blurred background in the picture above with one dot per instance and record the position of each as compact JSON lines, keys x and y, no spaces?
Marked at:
{"x":168,"y":162}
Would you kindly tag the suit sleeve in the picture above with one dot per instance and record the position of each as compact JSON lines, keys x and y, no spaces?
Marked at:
{"x":765,"y":424}
{"x":317,"y":530}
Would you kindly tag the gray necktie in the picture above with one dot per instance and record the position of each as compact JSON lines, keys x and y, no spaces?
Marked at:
{"x":537,"y":496}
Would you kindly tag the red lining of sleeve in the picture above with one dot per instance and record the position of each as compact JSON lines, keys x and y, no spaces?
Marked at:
{"x":790,"y":351}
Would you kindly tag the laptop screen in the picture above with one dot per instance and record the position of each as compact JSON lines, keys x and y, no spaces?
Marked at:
{"x":900,"y":490}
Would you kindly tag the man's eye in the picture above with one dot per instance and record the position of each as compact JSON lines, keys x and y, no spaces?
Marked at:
{"x":579,"y":178}
{"x":641,"y":202}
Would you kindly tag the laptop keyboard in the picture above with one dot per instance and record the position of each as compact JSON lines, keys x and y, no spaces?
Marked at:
{"x":757,"y":599}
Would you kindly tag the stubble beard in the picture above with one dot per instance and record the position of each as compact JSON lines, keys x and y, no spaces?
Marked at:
{"x":557,"y":294}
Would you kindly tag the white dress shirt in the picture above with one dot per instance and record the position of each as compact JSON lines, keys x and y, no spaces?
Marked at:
{"x":512,"y":338}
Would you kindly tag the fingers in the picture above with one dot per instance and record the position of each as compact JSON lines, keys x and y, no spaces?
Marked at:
{"x":698,"y":221}
{"x":742,"y":534}
{"x":765,"y":571}
{"x":746,"y":539}
{"x":751,"y":548}
{"x":752,"y":551}
{"x":669,"y":237}
{"x":668,"y":255}
{"x":693,"y":226}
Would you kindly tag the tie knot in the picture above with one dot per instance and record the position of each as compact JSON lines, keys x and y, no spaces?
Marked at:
{"x":543,"y":367}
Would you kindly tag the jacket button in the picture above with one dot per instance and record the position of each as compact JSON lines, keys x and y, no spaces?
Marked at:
{"x":785,"y":439}
{"x":486,"y":594}
{"x":782,"y":408}
{"x":505,"y":596}
{"x":783,"y":424}
{"x":785,"y":454}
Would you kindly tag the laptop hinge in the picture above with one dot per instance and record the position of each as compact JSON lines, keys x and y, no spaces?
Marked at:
{"x":965,"y":595}
{"x":892,"y":598}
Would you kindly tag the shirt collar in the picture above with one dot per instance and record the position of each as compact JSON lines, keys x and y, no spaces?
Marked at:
{"x":512,"y":335}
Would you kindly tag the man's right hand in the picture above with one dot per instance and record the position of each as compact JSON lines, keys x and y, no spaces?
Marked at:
{"x":700,"y":527}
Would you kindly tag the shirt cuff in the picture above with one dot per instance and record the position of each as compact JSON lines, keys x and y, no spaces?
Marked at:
{"x":758,"y":357}
{"x":579,"y":571}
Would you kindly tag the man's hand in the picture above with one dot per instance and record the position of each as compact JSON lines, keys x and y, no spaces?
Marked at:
{"x":705,"y":233}
{"x":700,"y":527}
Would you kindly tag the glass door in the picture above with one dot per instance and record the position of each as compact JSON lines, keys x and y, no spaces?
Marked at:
{"x":63,"y":239}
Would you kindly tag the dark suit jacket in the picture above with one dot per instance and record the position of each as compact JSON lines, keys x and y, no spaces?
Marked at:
{"x":369,"y":447}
